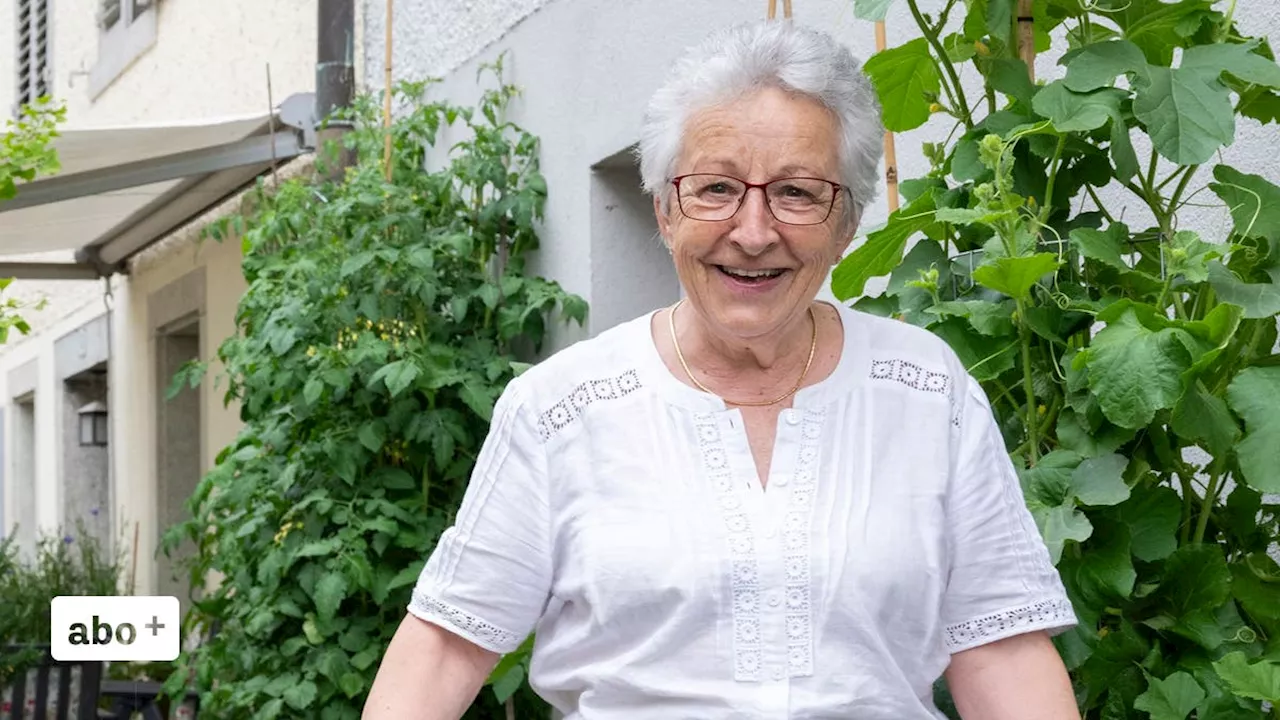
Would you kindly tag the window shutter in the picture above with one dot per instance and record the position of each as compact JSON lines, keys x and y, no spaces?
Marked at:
{"x":32,"y":59}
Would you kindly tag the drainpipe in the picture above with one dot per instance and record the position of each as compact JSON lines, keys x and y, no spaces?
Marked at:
{"x":335,"y":72}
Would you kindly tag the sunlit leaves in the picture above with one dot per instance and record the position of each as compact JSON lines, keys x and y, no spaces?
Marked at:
{"x":1259,"y":680}
{"x":1187,"y":116}
{"x":905,"y":77}
{"x":1135,"y":370}
{"x":1098,"y":65}
{"x":1255,"y":396}
{"x":1172,"y":698}
{"x":882,"y":250}
{"x":1014,"y":276}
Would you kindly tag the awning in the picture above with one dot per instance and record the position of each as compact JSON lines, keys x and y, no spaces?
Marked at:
{"x":122,"y":189}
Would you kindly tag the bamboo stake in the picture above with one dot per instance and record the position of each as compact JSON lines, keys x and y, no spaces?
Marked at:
{"x":133,"y":565}
{"x":1027,"y":37}
{"x":773,"y":9}
{"x":786,"y":9}
{"x":890,"y":149}
{"x":386,"y":106}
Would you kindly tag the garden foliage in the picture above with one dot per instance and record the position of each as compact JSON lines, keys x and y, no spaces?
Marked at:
{"x":382,"y":320}
{"x":1130,"y":360}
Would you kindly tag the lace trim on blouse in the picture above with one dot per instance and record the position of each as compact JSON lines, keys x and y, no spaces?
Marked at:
{"x":796,"y":535}
{"x":745,"y":582}
{"x":1043,"y":615}
{"x":484,"y":634}
{"x":570,"y":408}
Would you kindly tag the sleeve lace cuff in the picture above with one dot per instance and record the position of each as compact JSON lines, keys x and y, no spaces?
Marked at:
{"x":462,"y":623}
{"x":1054,"y":615}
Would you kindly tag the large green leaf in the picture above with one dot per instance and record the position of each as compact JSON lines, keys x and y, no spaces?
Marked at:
{"x":1187,"y":116}
{"x":1253,"y":200}
{"x":1105,"y":574}
{"x":329,"y":594}
{"x":1009,"y":76}
{"x":988,"y":318}
{"x":1100,"y":480}
{"x":1105,"y":246}
{"x":1196,"y":577}
{"x":1203,"y":418}
{"x":902,"y":77}
{"x":875,"y":10}
{"x":1048,"y":483}
{"x":1098,"y":65}
{"x":1153,"y":515}
{"x":983,"y":356}
{"x":1238,"y":60}
{"x":1014,"y":276}
{"x":1257,"y":300}
{"x":1259,"y":681}
{"x":882,"y":250}
{"x":1172,"y":698}
{"x":1157,"y":27}
{"x":1061,"y":523}
{"x":1135,"y":371}
{"x":1255,"y":396}
{"x":1123,"y":156}
{"x":1077,"y":112}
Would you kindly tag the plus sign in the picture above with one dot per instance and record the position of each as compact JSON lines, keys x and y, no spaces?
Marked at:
{"x":154,"y":626}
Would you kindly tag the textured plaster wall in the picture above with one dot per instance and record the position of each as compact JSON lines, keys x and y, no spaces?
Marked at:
{"x":587,"y":68}
{"x":209,"y":59}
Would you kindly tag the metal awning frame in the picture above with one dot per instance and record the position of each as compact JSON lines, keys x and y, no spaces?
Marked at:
{"x":207,"y":175}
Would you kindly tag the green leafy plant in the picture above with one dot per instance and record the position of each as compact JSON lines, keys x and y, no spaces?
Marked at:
{"x":26,"y":152}
{"x":65,"y":563}
{"x":382,"y":320}
{"x":1130,"y":361}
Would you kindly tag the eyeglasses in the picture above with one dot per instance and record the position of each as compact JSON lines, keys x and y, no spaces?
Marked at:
{"x":792,"y":200}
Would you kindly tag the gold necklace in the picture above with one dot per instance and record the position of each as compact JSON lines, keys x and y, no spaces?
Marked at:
{"x":813,"y":346}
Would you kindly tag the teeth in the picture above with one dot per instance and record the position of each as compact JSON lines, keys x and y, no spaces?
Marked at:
{"x":751,"y":273}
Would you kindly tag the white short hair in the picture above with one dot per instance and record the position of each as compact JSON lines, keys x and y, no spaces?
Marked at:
{"x":744,"y":58}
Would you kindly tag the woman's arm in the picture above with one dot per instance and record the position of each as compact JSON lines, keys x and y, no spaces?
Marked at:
{"x":428,"y":673}
{"x":1018,"y":678}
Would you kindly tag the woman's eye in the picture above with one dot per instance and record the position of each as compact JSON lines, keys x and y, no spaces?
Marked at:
{"x":717,"y":188}
{"x":791,"y":191}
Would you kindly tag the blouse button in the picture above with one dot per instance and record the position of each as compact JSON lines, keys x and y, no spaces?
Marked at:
{"x":793,"y":416}
{"x":777,"y":673}
{"x":775,"y":599}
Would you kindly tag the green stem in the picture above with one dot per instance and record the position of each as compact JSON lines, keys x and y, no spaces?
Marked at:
{"x":1179,"y":307}
{"x":1164,"y":291}
{"x":966,"y":116}
{"x":1098,"y":201}
{"x":1206,"y":506}
{"x":1188,"y":495}
{"x":1182,"y":186}
{"x":1054,"y":166}
{"x":1028,"y":386}
{"x":1149,"y":182}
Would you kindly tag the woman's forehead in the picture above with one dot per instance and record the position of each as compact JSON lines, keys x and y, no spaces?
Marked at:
{"x":769,"y":129}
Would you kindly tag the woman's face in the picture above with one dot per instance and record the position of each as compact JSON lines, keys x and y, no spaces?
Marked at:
{"x":761,"y":137}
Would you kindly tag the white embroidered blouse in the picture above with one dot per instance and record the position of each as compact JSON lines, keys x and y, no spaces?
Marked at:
{"x":617,"y":513}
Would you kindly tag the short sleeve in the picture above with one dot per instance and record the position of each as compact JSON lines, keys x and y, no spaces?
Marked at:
{"x":488,"y":578}
{"x":1001,"y":581}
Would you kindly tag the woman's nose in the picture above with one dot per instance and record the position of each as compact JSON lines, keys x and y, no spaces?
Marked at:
{"x":754,"y":231}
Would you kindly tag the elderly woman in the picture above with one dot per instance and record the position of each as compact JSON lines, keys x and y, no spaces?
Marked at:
{"x":751,"y":504}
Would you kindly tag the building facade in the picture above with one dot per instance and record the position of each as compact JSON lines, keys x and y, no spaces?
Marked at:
{"x":114,"y":344}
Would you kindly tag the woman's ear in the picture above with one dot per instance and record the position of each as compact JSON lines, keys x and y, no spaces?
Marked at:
{"x":664,"y":223}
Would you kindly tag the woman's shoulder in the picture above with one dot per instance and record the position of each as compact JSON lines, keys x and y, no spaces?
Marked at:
{"x":603,"y":367}
{"x":889,"y":339}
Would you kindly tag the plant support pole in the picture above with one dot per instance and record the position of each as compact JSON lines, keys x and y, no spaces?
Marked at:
{"x":386,"y":103}
{"x":890,"y":151}
{"x":1027,"y":37}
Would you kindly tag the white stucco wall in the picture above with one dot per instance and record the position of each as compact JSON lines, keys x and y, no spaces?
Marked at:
{"x":209,"y":59}
{"x":588,"y":67}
